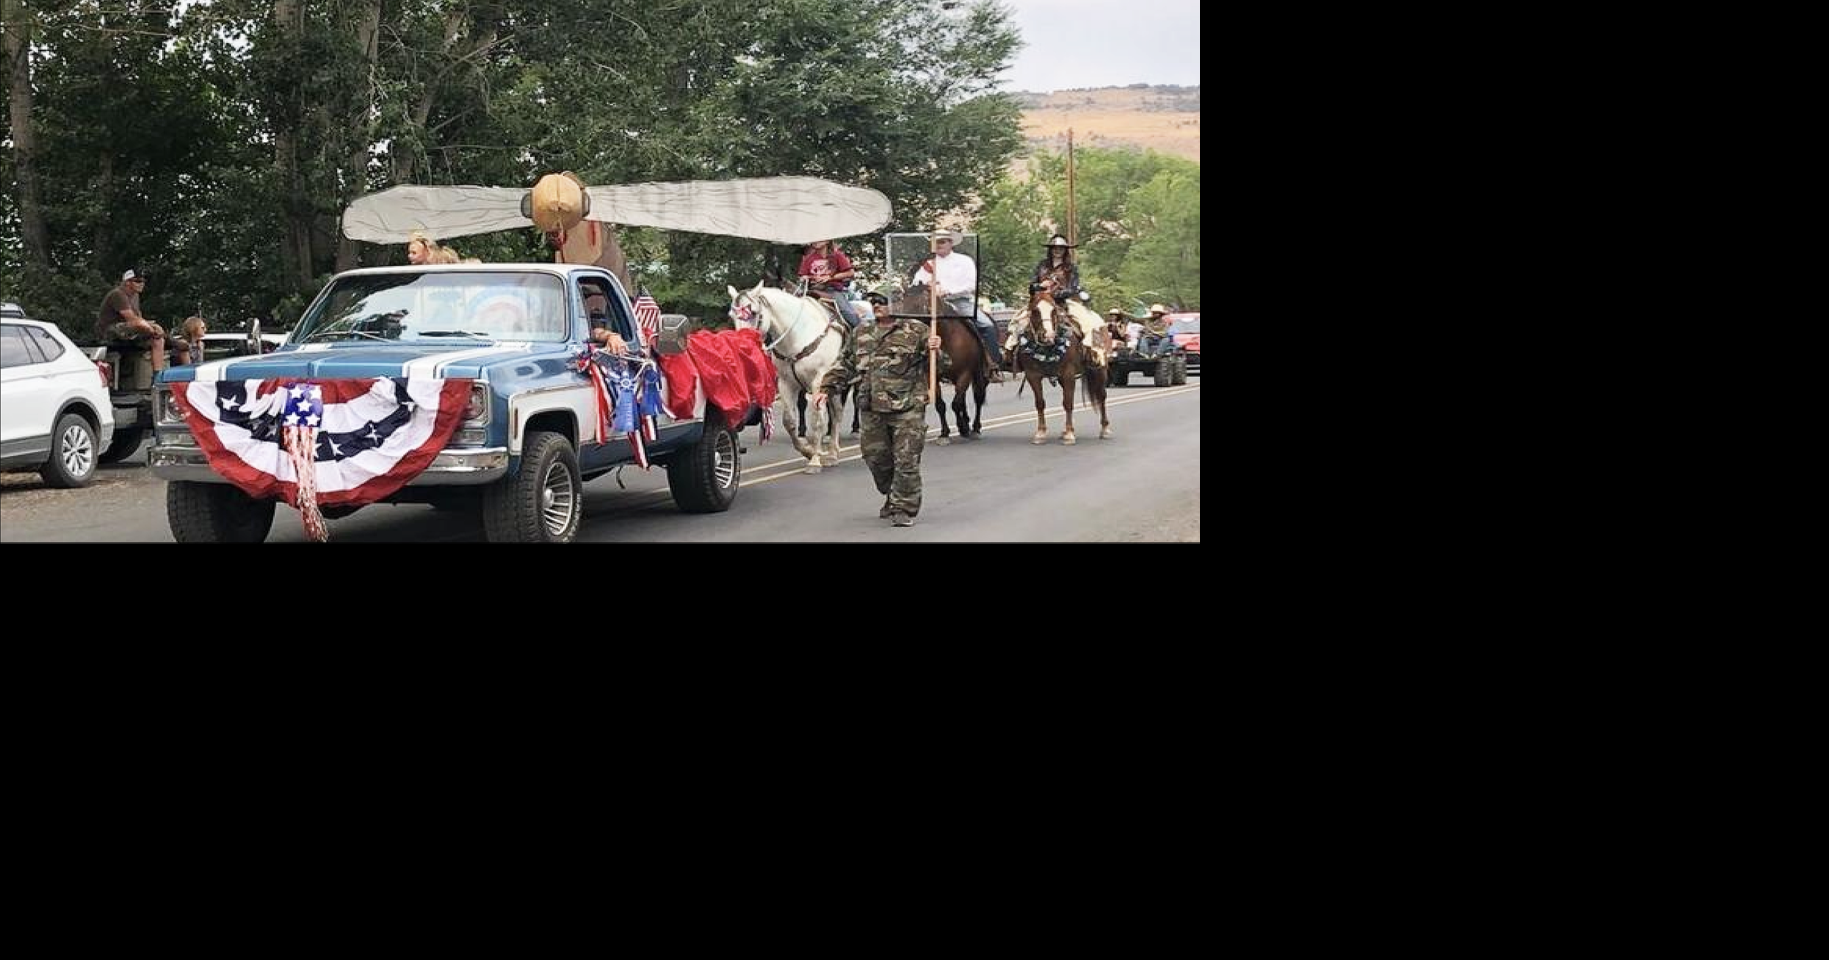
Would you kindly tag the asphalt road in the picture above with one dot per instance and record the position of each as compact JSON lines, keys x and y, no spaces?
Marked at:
{"x":1141,"y":485}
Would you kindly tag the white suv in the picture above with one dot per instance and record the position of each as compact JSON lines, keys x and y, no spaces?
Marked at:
{"x":55,"y":415}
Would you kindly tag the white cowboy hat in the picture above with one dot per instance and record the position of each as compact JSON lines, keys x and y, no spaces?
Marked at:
{"x":953,"y":235}
{"x":1158,"y":308}
{"x":1059,"y":241}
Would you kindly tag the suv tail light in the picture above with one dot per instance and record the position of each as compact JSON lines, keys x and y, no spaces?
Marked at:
{"x":101,"y":367}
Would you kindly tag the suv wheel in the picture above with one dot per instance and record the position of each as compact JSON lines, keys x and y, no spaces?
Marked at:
{"x":73,"y":453}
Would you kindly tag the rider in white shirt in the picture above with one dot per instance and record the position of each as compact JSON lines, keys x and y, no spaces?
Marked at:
{"x":958,"y":284}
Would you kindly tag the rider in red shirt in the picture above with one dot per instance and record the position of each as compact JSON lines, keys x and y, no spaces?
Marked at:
{"x":828,"y":274}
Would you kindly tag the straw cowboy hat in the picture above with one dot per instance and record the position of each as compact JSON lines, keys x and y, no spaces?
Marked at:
{"x":1060,"y":241}
{"x":1158,"y":308}
{"x":953,"y":235}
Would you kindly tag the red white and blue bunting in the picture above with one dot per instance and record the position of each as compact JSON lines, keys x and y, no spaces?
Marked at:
{"x":325,"y":442}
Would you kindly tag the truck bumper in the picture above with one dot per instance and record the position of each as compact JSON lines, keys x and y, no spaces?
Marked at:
{"x":453,"y":467}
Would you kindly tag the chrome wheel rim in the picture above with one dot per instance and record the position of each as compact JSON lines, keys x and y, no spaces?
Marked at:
{"x":724,"y":460}
{"x":558,"y":499}
{"x":77,"y":451}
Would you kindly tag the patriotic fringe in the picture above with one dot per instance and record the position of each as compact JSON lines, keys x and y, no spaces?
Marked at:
{"x":301,"y":449}
{"x":629,"y":405}
{"x":588,"y":366}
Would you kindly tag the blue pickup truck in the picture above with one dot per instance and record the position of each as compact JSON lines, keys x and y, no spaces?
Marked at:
{"x":528,"y":437}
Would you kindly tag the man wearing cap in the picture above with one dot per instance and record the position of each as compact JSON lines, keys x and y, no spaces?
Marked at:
{"x":887,"y":362}
{"x":1155,"y":330}
{"x":120,"y":322}
{"x":958,"y":284}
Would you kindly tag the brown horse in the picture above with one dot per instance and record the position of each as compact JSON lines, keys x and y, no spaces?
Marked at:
{"x":965,"y":369}
{"x":1071,"y":365}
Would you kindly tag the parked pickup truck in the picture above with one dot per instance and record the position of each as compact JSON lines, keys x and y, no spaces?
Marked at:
{"x":527,"y":441}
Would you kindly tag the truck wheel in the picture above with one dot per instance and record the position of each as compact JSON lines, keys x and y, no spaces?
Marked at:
{"x":1120,"y":378}
{"x":1181,"y":371}
{"x":1165,"y":372}
{"x":72,"y":462}
{"x":704,"y":476}
{"x":215,"y":513}
{"x":543,"y":502}
{"x":126,"y":441}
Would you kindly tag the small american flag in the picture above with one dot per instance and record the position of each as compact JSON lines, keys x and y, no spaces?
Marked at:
{"x":647,"y":317}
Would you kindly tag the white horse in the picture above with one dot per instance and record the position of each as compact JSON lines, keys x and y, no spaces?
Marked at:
{"x":805,"y":342}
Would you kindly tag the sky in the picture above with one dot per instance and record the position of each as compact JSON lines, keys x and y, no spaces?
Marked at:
{"x":1105,"y":43}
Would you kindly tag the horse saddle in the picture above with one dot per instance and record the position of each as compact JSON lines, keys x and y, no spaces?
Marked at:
{"x":914,"y":302}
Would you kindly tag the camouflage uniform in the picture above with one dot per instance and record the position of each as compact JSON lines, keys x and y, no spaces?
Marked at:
{"x":888,"y":364}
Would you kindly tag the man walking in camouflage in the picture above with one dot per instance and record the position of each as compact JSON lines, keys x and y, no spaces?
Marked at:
{"x":887,"y":361}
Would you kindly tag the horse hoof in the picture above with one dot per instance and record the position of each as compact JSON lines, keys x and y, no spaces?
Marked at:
{"x":1105,"y":434}
{"x":828,"y":461}
{"x":942,"y":441}
{"x":813,"y":468}
{"x":1067,"y":439}
{"x":1039,"y":438}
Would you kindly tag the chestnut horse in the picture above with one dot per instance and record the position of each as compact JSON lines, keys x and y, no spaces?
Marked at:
{"x":1061,"y":356}
{"x":967,"y":370}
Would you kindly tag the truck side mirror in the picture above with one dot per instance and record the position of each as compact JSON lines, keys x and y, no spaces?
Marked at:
{"x":673,"y":330}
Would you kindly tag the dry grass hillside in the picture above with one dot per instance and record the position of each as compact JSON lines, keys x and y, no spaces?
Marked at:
{"x":1160,"y":118}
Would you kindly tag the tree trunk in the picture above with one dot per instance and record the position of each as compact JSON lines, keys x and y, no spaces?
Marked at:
{"x":368,"y":32}
{"x":16,"y":38}
{"x":295,"y":241}
{"x":482,"y":37}
{"x":103,"y":242}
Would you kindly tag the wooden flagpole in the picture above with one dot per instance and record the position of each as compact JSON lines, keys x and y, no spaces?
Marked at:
{"x":933,"y":321}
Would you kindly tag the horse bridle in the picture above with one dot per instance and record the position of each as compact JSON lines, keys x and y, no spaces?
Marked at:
{"x":831,"y":325}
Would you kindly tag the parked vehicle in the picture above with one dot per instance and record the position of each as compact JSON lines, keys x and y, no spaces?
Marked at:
{"x":1185,"y":328}
{"x":55,"y":413}
{"x":525,"y":444}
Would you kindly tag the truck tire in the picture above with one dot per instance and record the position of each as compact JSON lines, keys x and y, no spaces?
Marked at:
{"x":543,"y":502}
{"x":1181,"y":371}
{"x":73,"y":451}
{"x":1120,"y":378}
{"x":126,"y":441}
{"x":216,"y":513}
{"x":704,"y":477}
{"x":1165,"y":372}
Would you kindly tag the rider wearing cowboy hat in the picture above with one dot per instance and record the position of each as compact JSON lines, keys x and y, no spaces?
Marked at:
{"x":1155,"y":329}
{"x":1060,"y":276}
{"x":1057,"y":271}
{"x":1118,"y":322}
{"x":957,"y":277}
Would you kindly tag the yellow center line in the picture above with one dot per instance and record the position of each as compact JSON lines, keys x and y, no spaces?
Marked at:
{"x":1002,"y":421}
{"x":797,"y":465}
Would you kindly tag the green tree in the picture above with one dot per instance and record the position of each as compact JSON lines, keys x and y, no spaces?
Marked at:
{"x":1138,"y":224}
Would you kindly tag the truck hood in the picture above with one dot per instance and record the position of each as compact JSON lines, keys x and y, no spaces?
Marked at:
{"x":331,"y":361}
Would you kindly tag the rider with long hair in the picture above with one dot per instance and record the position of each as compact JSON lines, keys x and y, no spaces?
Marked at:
{"x":1057,"y":271}
{"x":1060,"y":276}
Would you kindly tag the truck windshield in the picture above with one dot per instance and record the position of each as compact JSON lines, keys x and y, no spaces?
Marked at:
{"x":443,"y":307}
